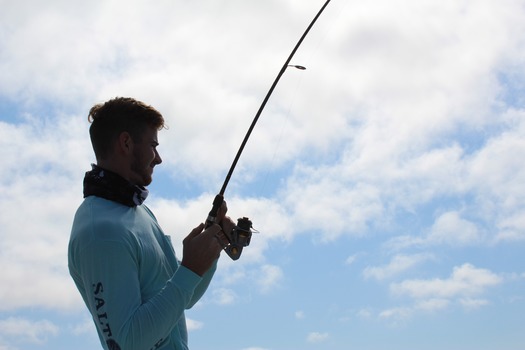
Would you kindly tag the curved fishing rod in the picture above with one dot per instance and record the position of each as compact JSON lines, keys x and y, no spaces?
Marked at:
{"x":240,"y":236}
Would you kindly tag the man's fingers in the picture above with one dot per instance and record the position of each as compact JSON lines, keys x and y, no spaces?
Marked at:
{"x":213,"y":229}
{"x":222,"y":239}
{"x":222,"y":212}
{"x":227,"y":224}
{"x":196,"y":231}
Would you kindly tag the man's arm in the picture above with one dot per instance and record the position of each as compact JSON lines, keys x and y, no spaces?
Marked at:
{"x":226,"y":225}
{"x":110,"y":280}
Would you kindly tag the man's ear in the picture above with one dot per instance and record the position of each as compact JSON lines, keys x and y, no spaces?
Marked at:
{"x":125,"y":143}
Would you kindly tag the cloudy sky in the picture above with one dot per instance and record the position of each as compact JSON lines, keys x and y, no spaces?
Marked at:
{"x":387,"y":180}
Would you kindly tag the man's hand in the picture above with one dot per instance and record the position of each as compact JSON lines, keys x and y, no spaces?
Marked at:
{"x":201,"y":248}
{"x":226,"y":223}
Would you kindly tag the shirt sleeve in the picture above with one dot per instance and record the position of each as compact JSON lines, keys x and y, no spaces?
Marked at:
{"x":113,"y":296}
{"x":203,"y":285}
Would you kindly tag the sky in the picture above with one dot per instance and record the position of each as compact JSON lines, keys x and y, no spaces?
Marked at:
{"x":387,"y":179}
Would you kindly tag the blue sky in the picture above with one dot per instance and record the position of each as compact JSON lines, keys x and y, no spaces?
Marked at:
{"x":387,"y":180}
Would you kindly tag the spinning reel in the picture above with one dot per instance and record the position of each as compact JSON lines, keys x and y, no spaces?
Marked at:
{"x":239,"y":237}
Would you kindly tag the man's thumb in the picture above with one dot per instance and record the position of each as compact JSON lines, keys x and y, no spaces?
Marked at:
{"x":195,"y":232}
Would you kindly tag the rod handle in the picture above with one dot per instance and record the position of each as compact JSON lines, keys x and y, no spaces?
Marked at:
{"x":217,"y":203}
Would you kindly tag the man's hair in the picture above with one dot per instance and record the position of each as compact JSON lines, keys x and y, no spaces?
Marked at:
{"x":108,"y":120}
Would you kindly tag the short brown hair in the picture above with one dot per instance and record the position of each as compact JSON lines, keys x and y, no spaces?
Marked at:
{"x":108,"y":120}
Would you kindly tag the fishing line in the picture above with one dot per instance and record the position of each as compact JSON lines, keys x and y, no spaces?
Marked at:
{"x":284,"y":126}
{"x":286,"y":122}
{"x":241,"y":234}
{"x":308,"y":60}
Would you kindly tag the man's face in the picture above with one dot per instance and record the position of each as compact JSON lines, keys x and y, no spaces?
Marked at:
{"x":145,"y":158}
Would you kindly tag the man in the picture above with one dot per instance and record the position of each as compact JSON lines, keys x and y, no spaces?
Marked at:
{"x":120,"y":260}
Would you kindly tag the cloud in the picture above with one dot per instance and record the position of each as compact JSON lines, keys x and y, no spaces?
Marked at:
{"x":35,"y":332}
{"x":299,"y":315}
{"x":463,"y":287}
{"x":431,"y":305}
{"x":397,"y":265}
{"x":472,"y":303}
{"x":317,"y":337}
{"x":396,"y":314}
{"x":86,"y":327}
{"x":451,"y":229}
{"x":39,"y":194}
{"x":351,"y":259}
{"x":223,"y":296}
{"x":193,"y":325}
{"x":364,"y":314}
{"x":269,"y":277}
{"x":465,"y":281}
{"x":399,"y":315}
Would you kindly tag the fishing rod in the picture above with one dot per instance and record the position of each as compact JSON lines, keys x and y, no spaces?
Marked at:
{"x":241,"y":234}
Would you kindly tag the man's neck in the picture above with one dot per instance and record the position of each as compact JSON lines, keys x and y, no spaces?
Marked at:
{"x":114,"y":167}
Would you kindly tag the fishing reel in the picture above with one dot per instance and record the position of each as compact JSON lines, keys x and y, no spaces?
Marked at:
{"x":239,"y":237}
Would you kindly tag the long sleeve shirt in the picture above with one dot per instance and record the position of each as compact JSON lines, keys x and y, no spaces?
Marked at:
{"x":129,"y":277}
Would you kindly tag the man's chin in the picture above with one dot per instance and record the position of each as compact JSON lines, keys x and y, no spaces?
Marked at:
{"x":146,"y":181}
{"x":143,"y":180}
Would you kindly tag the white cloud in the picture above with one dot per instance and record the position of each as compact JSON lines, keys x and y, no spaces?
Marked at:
{"x":402,"y":314}
{"x":463,"y":288}
{"x":6,"y":346}
{"x":223,"y":296}
{"x":473,"y":303}
{"x":431,"y":305}
{"x":398,"y":264}
{"x":86,"y":327}
{"x":193,"y":325}
{"x":451,"y":229}
{"x":299,"y":315}
{"x":465,"y":281}
{"x":351,"y":259}
{"x":269,"y":278}
{"x":317,"y":337}
{"x":364,"y":314}
{"x":398,"y":314}
{"x":36,"y":332}
{"x":40,"y":191}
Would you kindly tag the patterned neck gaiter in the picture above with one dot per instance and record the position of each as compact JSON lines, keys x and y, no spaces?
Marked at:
{"x":106,"y":184}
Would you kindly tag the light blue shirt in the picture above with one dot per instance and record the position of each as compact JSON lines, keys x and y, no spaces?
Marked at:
{"x":126,"y":271}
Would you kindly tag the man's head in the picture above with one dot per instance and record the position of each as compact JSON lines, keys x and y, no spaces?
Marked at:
{"x":124,"y":137}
